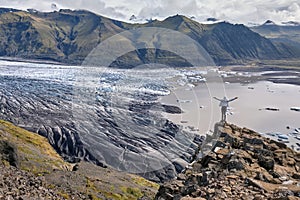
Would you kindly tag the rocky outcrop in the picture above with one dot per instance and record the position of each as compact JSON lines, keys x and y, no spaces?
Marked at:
{"x":8,"y":153}
{"x":238,"y":163}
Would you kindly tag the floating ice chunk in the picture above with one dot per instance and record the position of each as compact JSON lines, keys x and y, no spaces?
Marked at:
{"x":296,"y":109}
{"x":184,"y":101}
{"x":271,"y":109}
{"x":282,"y":136}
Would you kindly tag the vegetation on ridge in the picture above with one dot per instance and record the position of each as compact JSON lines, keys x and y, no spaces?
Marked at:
{"x":21,"y":151}
{"x":69,"y":36}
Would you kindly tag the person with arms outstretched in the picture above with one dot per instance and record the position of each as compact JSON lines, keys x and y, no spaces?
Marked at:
{"x":224,"y":103}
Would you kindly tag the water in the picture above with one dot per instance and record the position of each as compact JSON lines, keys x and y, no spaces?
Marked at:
{"x":200,"y":110}
{"x":247,"y":111}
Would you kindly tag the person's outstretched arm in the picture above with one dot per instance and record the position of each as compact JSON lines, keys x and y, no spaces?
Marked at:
{"x":217,"y":99}
{"x":233,"y":99}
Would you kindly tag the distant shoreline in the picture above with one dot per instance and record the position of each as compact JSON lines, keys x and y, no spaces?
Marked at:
{"x":273,"y":73}
{"x":283,"y":70}
{"x":35,"y":61}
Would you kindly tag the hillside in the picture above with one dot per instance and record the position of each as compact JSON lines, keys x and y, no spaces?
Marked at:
{"x":238,"y":163}
{"x":283,"y":36}
{"x":64,"y":36}
{"x":68,"y":36}
{"x":31,"y":169}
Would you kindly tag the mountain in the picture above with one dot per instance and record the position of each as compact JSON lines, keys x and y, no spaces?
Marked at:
{"x":31,"y":169}
{"x":69,"y":36}
{"x":285,"y":37}
{"x":6,"y":10}
{"x":65,"y":36}
{"x":226,"y":43}
{"x":239,"y":164}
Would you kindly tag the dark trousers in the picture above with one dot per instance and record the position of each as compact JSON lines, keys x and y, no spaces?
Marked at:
{"x":223,"y":111}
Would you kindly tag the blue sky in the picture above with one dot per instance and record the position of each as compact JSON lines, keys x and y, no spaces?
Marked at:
{"x":235,"y":11}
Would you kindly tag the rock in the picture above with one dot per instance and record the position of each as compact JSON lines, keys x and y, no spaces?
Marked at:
{"x":266,"y":162}
{"x":255,"y":183}
{"x":293,"y":198}
{"x":279,"y":144}
{"x":283,"y":178}
{"x":265,"y":176}
{"x":254,"y":141}
{"x":226,"y":189}
{"x":18,"y":184}
{"x":296,"y":175}
{"x":202,"y":179}
{"x":172,"y":109}
{"x":206,"y":159}
{"x":8,"y":152}
{"x":189,"y":190}
{"x":191,"y":198}
{"x":235,"y":164}
{"x":211,"y":191}
{"x":75,"y":167}
{"x":290,"y":182}
{"x":223,"y":151}
{"x":282,"y":171}
{"x":249,"y":166}
{"x":232,"y":177}
{"x":181,"y":176}
{"x":245,"y":155}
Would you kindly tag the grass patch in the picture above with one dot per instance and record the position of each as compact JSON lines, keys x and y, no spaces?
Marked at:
{"x":144,"y":182}
{"x":35,"y":154}
{"x":132,"y":192}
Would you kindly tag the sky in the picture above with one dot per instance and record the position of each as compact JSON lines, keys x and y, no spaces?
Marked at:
{"x":234,"y":11}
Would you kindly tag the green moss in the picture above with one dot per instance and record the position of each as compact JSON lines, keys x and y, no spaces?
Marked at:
{"x":111,"y":195}
{"x":90,"y":185}
{"x":51,"y":186}
{"x":122,"y":194}
{"x":5,"y":163}
{"x":132,"y":193}
{"x":64,"y":195}
{"x":35,"y":154}
{"x":144,"y":182}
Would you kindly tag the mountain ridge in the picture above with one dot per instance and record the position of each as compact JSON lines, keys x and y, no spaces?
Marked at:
{"x":285,"y":36}
{"x":68,"y":36}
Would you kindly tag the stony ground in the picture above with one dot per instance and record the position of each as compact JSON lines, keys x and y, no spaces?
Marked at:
{"x":30,"y":169}
{"x":18,"y":184}
{"x":241,"y":165}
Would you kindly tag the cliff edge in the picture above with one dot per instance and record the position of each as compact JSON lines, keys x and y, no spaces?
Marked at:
{"x":238,"y":163}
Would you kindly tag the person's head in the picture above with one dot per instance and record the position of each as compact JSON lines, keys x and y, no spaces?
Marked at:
{"x":225,"y":99}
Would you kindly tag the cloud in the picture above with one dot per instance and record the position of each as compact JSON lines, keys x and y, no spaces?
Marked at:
{"x":235,"y":11}
{"x":97,"y":6}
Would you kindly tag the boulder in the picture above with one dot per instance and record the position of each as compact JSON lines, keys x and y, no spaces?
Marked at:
{"x":235,"y":164}
{"x":266,"y":162}
{"x":8,"y":153}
